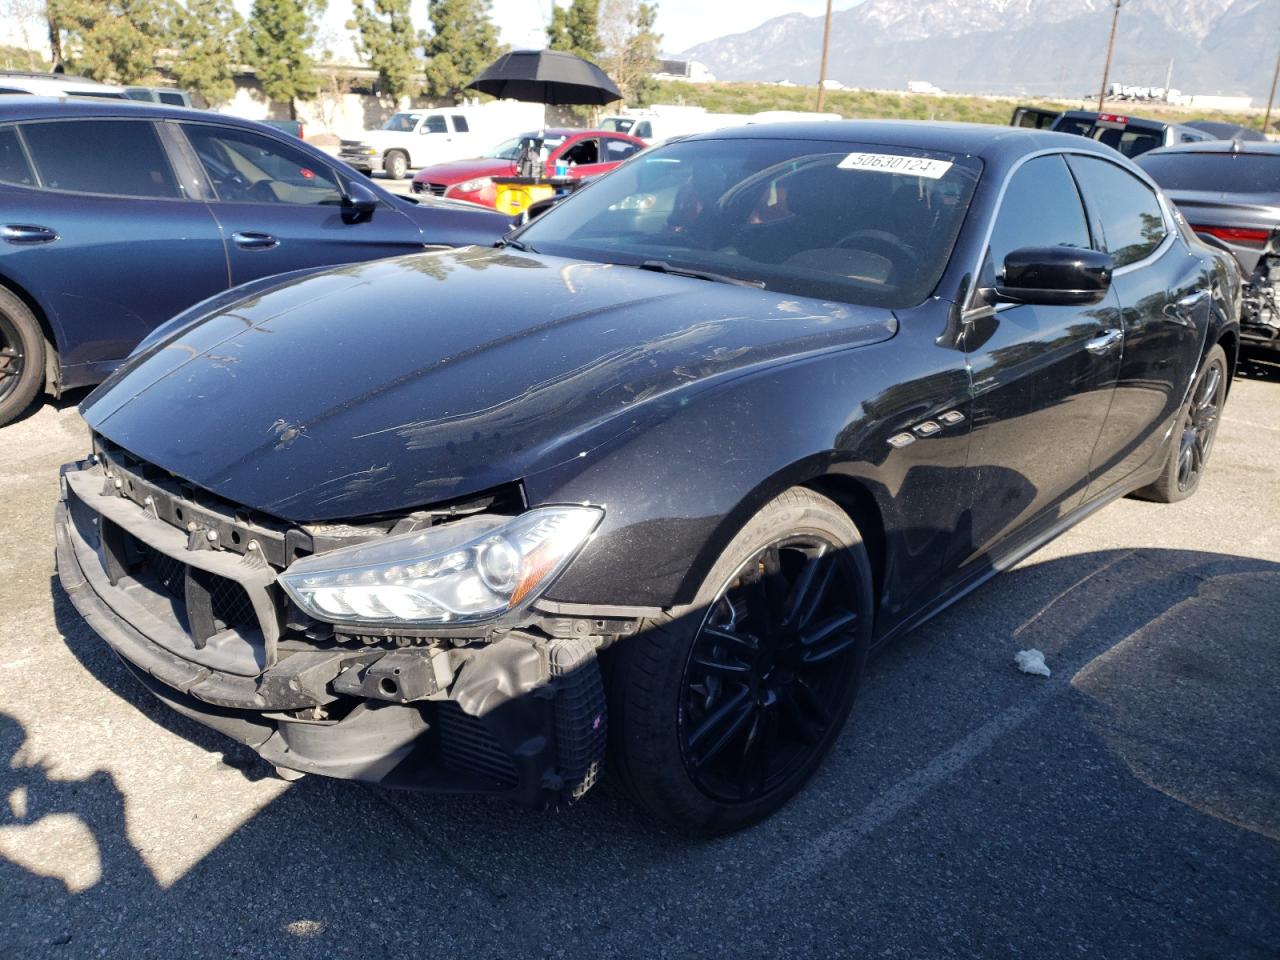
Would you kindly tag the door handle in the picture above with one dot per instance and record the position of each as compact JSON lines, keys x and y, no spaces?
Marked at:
{"x":255,"y":241}
{"x":1179,"y":311}
{"x":27,"y":233}
{"x":1104,"y":341}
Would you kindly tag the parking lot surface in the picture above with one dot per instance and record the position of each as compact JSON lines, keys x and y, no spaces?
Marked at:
{"x":1127,"y":806}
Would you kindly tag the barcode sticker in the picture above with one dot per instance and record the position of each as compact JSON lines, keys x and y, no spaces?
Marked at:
{"x":891,"y":163}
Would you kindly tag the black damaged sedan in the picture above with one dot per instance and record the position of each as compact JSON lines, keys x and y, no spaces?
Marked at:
{"x":646,"y":483}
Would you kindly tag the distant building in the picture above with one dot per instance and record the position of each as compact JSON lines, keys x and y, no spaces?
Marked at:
{"x":690,"y":71}
{"x":922,"y":86}
{"x":833,"y":85}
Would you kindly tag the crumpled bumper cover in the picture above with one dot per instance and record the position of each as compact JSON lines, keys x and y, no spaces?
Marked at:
{"x":520,"y":716}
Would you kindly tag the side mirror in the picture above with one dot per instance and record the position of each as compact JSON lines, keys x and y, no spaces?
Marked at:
{"x":359,"y":203}
{"x":1053,"y":276}
{"x":540,"y":207}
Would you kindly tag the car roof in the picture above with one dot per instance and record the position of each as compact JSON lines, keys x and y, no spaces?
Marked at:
{"x":986,"y":140}
{"x":49,"y":108}
{"x":1263,"y":147}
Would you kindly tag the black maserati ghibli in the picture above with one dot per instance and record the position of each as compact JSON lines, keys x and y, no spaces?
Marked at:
{"x":646,"y":482}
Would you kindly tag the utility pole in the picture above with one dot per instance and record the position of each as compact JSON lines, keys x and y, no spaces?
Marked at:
{"x":822,"y":70}
{"x":1106,"y":66}
{"x":1266,"y":120}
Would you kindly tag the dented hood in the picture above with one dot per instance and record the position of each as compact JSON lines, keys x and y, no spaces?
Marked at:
{"x":390,"y":385}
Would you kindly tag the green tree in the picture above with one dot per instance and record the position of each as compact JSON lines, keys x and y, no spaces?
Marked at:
{"x":463,"y":41}
{"x":205,"y":35}
{"x":385,"y":39}
{"x":277,"y":43}
{"x":576,"y":29}
{"x":631,"y":47}
{"x":114,"y":41}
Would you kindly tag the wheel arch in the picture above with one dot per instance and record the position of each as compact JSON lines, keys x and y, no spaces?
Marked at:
{"x":840,"y":482}
{"x":53,"y":346}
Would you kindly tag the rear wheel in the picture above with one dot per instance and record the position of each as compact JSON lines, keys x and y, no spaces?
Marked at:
{"x":1194,"y":435}
{"x":719,"y":716}
{"x":21,"y":357}
{"x":395,"y":165}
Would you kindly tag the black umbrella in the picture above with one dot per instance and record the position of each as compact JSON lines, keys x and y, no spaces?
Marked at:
{"x":547,"y":76}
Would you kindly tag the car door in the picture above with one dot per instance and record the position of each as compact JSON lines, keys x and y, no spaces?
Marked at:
{"x":280,"y":208}
{"x":1042,"y":375}
{"x":104,"y":234}
{"x":612,"y":151}
{"x":582,"y":156}
{"x":1164,"y":300}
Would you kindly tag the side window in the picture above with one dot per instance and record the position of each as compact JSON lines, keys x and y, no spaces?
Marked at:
{"x":434,"y":124}
{"x":583,"y":152}
{"x":14,"y":167}
{"x":122,"y":158}
{"x":616,"y":150}
{"x":245,"y":167}
{"x":1124,"y":206}
{"x":1041,"y":208}
{"x":460,"y":125}
{"x":644,"y":131}
{"x":176,"y":99}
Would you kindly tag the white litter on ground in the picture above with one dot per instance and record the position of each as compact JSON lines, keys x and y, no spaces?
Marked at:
{"x":1031,"y":661}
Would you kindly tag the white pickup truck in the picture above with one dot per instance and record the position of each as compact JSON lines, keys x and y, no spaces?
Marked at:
{"x":413,"y":139}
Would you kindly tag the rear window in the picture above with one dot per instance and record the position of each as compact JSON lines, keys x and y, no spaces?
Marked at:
{"x":1217,"y":172}
{"x":1130,"y":138}
{"x":121,"y":158}
{"x":13,"y":162}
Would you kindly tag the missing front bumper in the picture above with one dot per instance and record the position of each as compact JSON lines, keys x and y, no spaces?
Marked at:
{"x":522,"y":716}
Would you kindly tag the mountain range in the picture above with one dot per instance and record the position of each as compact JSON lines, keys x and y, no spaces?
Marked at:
{"x":1040,"y":48}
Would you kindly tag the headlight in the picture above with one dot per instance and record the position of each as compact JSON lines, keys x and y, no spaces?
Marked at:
{"x":467,"y":571}
{"x":471,"y":186}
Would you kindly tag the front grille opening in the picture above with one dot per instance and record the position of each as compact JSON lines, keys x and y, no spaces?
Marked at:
{"x":228,"y":605}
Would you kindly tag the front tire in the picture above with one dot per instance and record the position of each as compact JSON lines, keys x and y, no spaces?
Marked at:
{"x":395,"y":165}
{"x":1194,"y":435}
{"x":720,"y":715}
{"x":21,"y":357}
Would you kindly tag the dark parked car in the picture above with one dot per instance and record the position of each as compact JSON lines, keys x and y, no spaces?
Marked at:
{"x":1230,"y":194}
{"x":651,"y":479}
{"x":118,"y":215}
{"x":1130,"y":135}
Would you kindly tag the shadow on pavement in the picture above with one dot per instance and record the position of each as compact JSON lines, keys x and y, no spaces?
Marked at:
{"x":1167,"y":706}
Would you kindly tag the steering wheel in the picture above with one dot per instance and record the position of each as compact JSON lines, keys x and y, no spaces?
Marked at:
{"x":261,"y":191}
{"x":882,"y":244}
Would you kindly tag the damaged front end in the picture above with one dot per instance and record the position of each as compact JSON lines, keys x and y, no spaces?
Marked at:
{"x":407,"y":677}
{"x":1260,"y":305}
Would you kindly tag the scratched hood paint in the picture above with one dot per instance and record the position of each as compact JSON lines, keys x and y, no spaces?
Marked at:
{"x":390,"y":385}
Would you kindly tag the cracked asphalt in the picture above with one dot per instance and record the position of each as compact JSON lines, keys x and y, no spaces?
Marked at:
{"x":1127,"y":806}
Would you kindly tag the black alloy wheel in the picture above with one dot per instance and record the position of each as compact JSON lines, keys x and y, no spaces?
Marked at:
{"x":1200,"y":426}
{"x":12,"y":357}
{"x":767,"y":674}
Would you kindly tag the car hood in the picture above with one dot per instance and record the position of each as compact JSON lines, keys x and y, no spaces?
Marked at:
{"x":461,"y":170}
{"x":388,"y":385}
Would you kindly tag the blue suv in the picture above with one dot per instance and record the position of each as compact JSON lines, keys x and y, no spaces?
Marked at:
{"x":115,"y":216}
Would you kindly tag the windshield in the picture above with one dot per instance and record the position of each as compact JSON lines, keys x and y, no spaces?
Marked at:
{"x":844,"y":221}
{"x":1215,"y":172}
{"x":510,"y":149}
{"x":618,"y":124}
{"x":402,"y":122}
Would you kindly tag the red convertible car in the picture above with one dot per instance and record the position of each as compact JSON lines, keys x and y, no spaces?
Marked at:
{"x":587,"y":153}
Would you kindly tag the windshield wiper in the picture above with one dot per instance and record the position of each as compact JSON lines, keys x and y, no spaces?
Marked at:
{"x":661,"y":266}
{"x":516,"y":244}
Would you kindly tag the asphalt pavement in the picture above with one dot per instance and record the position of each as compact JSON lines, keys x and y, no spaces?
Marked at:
{"x":1128,"y":806}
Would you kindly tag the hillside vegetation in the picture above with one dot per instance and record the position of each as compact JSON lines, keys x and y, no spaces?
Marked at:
{"x":888,"y":105}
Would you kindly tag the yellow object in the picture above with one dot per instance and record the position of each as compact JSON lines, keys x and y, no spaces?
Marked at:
{"x":514,"y":199}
